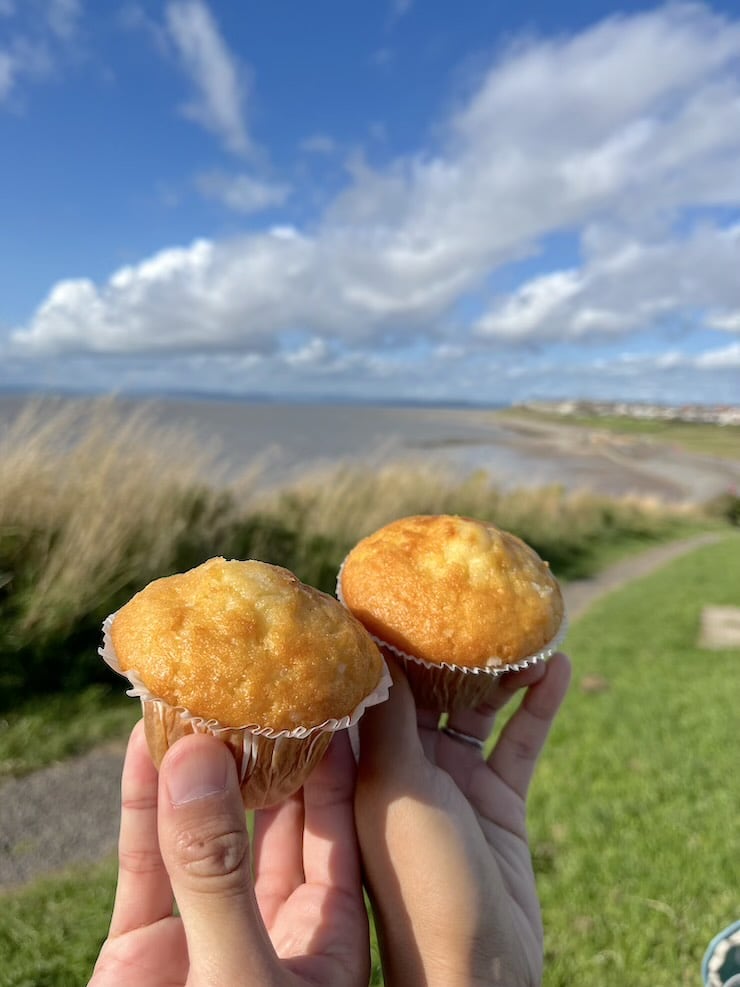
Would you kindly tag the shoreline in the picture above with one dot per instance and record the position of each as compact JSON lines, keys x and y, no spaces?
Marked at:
{"x":289,"y":441}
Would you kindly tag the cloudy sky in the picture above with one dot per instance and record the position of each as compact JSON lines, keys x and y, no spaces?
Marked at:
{"x":382,"y":199}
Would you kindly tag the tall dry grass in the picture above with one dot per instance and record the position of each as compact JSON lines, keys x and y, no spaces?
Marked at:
{"x":93,"y":496}
{"x":567,"y":527}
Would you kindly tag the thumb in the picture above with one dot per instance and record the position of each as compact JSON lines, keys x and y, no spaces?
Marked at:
{"x":205,"y":847}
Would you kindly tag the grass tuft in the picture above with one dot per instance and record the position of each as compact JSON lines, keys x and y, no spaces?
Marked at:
{"x":88,"y":503}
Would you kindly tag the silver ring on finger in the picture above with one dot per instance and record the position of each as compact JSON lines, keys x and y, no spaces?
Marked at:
{"x":465,"y":738}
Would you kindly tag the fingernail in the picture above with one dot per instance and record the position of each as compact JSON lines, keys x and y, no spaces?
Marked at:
{"x":197,"y":773}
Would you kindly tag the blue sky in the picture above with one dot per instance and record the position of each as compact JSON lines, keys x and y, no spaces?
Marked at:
{"x":385,"y":200}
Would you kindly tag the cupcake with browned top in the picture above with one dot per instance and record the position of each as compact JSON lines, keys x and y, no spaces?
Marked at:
{"x":248,"y":653}
{"x":458,"y":600}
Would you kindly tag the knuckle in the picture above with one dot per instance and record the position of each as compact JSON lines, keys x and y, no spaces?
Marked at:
{"x":213,"y":852}
{"x":140,"y":861}
{"x":140,"y":803}
{"x":522,"y":749}
{"x":330,"y":794}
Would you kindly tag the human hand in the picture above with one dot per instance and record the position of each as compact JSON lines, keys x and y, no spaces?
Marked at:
{"x":443,"y":834}
{"x":184,"y":837}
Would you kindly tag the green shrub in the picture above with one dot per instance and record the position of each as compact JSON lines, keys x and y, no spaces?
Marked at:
{"x":726,"y":506}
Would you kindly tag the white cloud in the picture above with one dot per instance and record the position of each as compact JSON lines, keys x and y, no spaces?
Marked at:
{"x":723,"y":358}
{"x":727,"y":321}
{"x":214,"y":71}
{"x":399,"y":8}
{"x":314,"y":353}
{"x":534,"y":303}
{"x":35,"y":46}
{"x":133,"y":17}
{"x":531,"y":151}
{"x":629,"y":286}
{"x":242,"y":193}
{"x":23,"y":59}
{"x":204,"y":296}
{"x":63,"y":16}
{"x":318,"y":144}
{"x":7,"y":73}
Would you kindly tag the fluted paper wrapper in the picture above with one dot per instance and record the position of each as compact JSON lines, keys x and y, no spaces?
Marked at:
{"x":271,"y":764}
{"x":446,"y":687}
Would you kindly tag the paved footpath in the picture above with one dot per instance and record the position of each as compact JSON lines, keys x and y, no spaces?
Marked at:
{"x":67,"y":814}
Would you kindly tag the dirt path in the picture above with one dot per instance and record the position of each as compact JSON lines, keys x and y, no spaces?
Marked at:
{"x":579,"y":595}
{"x":67,"y":814}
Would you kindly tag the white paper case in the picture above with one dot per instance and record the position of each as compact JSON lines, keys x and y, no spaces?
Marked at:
{"x":445,"y":686}
{"x":272,"y":764}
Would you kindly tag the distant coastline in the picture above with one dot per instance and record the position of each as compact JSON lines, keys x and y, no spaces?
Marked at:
{"x":218,"y":397}
{"x":566,"y":407}
{"x":287,"y":440}
{"x":654,"y":411}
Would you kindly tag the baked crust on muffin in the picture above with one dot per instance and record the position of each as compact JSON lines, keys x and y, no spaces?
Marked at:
{"x":451,"y":589}
{"x":246,"y":643}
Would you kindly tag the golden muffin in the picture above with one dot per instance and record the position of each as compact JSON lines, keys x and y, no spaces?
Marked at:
{"x":453,"y":594}
{"x":247,"y":652}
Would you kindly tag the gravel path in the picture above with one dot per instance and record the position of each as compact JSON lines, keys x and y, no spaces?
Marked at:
{"x":60,"y":816}
{"x":67,"y":814}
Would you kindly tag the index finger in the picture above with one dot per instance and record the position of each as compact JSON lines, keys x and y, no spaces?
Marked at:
{"x":330,"y":852}
{"x":479,"y":722}
{"x":515,"y":755}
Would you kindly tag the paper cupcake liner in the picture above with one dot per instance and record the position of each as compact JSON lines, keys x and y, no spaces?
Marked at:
{"x":446,"y":687}
{"x":271,"y":764}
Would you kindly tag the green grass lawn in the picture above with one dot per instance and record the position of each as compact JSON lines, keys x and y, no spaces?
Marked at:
{"x":633,"y":812}
{"x":700,"y":437}
{"x":50,"y":933}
